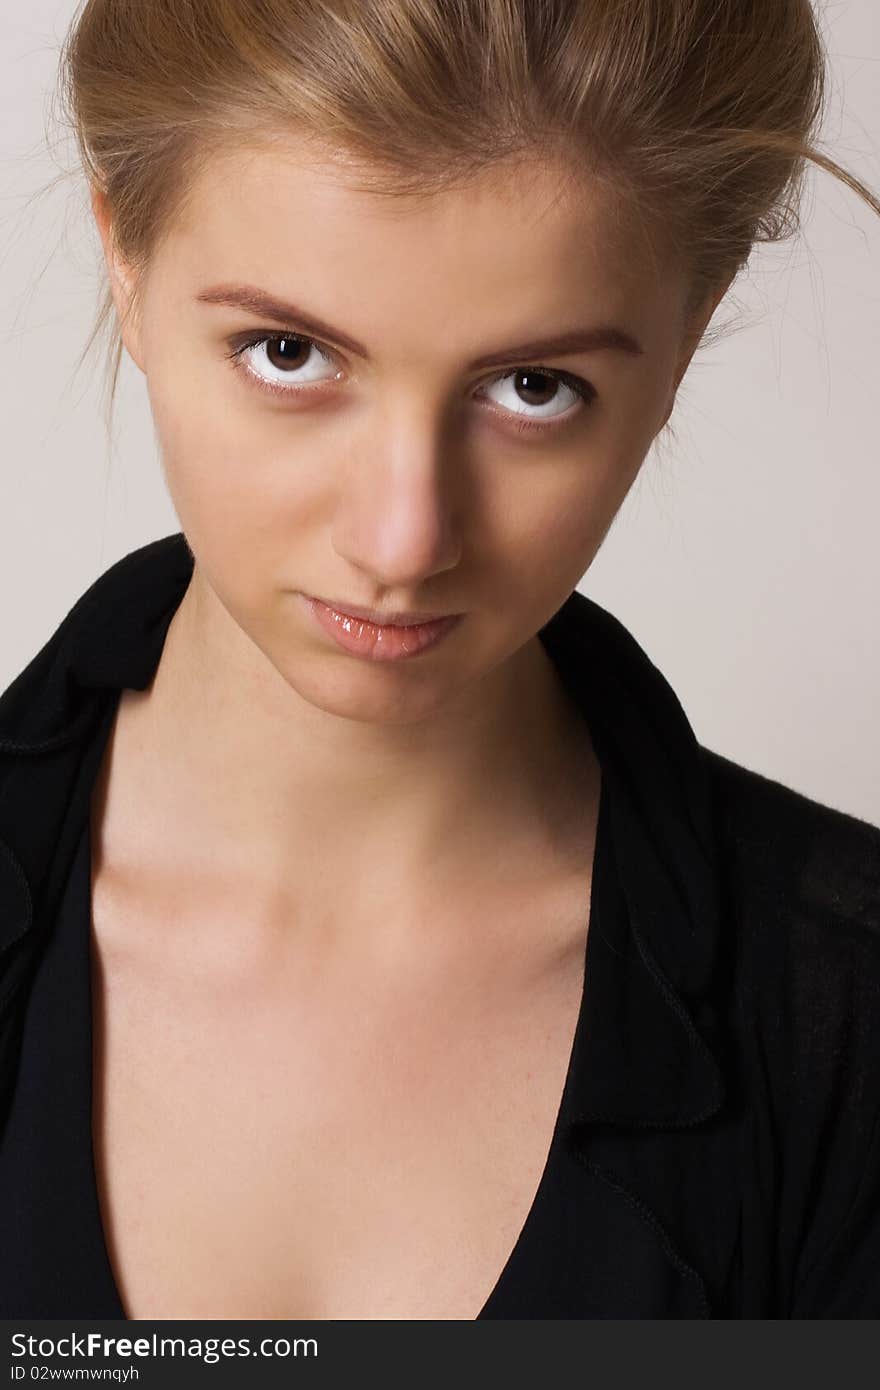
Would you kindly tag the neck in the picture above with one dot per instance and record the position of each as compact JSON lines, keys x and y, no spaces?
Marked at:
{"x":228,"y":765}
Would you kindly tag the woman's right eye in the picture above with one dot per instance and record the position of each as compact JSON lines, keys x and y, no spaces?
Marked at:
{"x":283,"y":354}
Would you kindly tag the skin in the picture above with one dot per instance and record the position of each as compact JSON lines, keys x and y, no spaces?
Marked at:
{"x":340,"y":906}
{"x":375,"y":788}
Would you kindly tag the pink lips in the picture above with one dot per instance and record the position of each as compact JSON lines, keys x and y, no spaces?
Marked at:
{"x":379,"y":643}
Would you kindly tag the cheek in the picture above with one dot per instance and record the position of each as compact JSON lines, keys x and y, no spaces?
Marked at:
{"x":237,"y":490}
{"x":552,"y":532}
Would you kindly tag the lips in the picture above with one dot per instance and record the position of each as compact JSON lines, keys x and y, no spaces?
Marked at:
{"x":408,"y":618}
{"x":380,"y":641}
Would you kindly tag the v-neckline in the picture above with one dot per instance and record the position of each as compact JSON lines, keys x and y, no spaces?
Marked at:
{"x":493,"y":1306}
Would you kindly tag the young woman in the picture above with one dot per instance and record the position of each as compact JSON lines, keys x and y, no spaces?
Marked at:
{"x":378,"y":940}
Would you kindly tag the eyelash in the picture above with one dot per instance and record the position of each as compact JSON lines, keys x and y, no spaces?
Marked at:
{"x":582,"y":388}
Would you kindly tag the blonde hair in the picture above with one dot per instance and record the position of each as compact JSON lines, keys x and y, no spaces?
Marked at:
{"x":701,"y":113}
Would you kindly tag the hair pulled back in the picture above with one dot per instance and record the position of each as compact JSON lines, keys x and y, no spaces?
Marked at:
{"x":701,"y":113}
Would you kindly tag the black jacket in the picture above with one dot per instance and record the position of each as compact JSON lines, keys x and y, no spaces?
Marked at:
{"x":722,"y":1145}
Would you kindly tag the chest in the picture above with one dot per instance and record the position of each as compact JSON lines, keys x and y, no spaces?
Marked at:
{"x":276,"y":1138}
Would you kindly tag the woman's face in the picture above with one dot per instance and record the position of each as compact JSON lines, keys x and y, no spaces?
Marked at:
{"x":399,"y":456}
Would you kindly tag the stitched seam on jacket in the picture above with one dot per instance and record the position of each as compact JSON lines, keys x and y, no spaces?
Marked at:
{"x":650,"y":1219}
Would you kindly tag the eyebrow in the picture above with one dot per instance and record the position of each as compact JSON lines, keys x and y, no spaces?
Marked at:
{"x":599,"y":338}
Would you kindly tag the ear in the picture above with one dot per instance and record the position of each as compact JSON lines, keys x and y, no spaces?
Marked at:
{"x":121,"y":278}
{"x":697,"y":327}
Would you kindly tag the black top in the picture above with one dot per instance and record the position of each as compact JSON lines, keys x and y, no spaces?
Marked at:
{"x":717,"y":1147}
{"x":55,"y":1262}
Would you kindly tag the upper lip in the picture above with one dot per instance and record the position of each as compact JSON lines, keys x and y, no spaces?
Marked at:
{"x":382,"y":618}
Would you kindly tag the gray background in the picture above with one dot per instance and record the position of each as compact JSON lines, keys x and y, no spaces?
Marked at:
{"x":745,"y":559}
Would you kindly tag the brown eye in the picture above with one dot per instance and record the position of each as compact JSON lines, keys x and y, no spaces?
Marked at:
{"x":549,"y":395}
{"x":287,"y":354}
{"x":281,"y":362}
{"x":536,"y":388}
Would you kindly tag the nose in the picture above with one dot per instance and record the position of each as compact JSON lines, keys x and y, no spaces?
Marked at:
{"x":400,"y":501}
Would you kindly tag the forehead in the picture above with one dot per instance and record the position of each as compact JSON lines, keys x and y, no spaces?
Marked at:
{"x":290,"y":217}
{"x":519,"y":252}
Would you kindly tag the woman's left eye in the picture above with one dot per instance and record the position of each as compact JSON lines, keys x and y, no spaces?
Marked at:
{"x":544,"y":382}
{"x":288,"y":354}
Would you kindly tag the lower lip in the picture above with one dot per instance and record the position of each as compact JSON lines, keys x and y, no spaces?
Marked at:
{"x":376,"y":643}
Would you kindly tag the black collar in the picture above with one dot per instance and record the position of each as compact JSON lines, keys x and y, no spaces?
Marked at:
{"x":56,"y":715}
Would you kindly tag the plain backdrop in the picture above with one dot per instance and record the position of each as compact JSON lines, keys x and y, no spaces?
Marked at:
{"x":745,"y":559}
